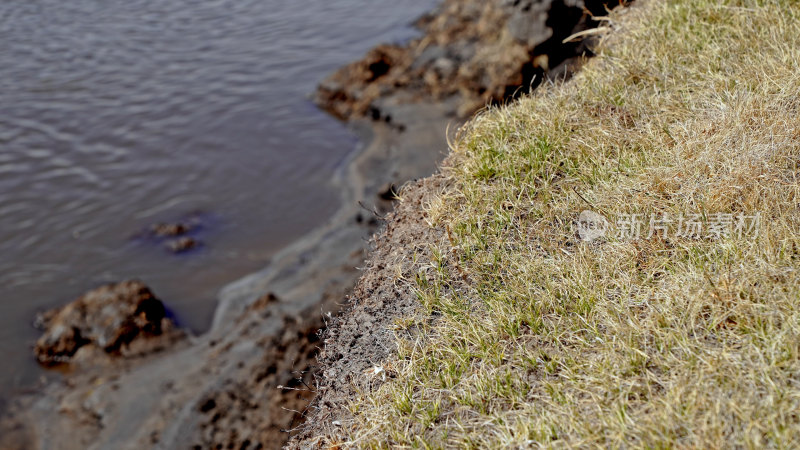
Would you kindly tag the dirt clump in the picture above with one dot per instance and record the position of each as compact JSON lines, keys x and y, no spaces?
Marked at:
{"x":117,"y":319}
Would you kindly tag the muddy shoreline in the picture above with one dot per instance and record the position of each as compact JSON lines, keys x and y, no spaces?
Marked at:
{"x":248,"y":381}
{"x":223,"y":386}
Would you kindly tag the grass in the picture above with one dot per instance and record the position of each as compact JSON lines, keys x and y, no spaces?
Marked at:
{"x":527,"y":335}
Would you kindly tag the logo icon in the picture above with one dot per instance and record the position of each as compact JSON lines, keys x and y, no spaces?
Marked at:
{"x":591,"y":226}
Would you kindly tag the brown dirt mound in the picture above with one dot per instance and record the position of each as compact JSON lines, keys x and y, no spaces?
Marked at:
{"x":118,"y":319}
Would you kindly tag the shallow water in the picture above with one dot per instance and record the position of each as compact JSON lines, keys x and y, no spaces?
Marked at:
{"x":118,"y":114}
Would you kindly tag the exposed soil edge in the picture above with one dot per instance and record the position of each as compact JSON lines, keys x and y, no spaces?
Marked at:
{"x":361,"y":338}
{"x":476,"y":52}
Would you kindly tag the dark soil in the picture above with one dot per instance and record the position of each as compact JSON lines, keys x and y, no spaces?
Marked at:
{"x":360,"y":338}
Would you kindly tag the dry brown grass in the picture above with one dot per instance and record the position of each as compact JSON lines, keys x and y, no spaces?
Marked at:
{"x":529,"y":336}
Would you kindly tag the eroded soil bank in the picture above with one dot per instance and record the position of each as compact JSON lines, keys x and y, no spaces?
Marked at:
{"x":248,"y":381}
{"x":487,"y":66}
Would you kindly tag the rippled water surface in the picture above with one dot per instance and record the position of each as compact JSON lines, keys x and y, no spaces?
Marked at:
{"x":117,"y":114}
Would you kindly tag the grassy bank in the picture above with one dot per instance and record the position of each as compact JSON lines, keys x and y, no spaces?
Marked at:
{"x":686,"y":336}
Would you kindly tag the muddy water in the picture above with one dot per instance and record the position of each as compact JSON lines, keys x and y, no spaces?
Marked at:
{"x":118,"y":114}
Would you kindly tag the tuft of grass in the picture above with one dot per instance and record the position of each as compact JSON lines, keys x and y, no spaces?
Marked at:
{"x":530,"y":336}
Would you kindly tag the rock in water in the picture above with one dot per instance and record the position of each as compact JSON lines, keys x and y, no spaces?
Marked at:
{"x":181,"y":245}
{"x":170,"y":229}
{"x":110,"y":318}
